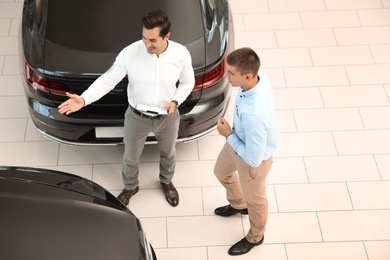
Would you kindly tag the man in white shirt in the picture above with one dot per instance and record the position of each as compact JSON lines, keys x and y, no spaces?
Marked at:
{"x":153,"y":65}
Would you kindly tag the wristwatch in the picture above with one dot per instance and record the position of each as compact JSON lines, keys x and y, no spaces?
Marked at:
{"x":174,"y":101}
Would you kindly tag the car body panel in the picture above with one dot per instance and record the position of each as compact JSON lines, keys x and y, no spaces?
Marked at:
{"x":53,"y":215}
{"x":204,"y":27}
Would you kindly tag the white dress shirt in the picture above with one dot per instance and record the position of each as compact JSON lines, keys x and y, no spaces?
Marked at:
{"x":152,"y":78}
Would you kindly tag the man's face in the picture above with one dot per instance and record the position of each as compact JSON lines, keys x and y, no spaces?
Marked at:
{"x":154,"y":43}
{"x":234,"y":76}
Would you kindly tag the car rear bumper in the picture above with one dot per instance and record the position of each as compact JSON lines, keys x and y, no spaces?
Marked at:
{"x":80,"y":129}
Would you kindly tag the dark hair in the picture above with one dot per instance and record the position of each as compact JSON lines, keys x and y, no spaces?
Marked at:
{"x":245,"y":60}
{"x":157,"y":19}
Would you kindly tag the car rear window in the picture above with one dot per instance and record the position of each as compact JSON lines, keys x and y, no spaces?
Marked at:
{"x":110,"y":25}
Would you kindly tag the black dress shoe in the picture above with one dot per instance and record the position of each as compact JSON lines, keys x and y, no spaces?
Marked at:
{"x":228,"y":210}
{"x":243,"y":246}
{"x":171,"y":194}
{"x":125,"y":195}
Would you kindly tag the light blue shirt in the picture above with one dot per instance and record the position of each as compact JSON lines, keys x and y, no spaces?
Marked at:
{"x":255,"y":128}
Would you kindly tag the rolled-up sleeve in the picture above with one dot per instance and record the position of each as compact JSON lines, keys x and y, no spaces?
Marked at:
{"x":186,"y":79}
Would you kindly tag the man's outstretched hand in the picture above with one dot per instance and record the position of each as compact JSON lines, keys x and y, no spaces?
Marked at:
{"x":73,"y":104}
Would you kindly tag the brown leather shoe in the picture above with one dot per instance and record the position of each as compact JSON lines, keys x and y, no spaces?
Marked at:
{"x":171,"y":194}
{"x":125,"y":195}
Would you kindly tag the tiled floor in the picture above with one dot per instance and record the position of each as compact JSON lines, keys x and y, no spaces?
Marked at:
{"x":329,"y":189}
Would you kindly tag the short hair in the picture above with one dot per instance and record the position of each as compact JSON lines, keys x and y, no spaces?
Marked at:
{"x":157,"y":19}
{"x":245,"y":60}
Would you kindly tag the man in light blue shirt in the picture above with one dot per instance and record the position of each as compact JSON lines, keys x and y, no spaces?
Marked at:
{"x":246,"y":158}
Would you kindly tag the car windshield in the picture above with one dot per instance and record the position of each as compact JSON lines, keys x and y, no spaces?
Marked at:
{"x":108,"y":26}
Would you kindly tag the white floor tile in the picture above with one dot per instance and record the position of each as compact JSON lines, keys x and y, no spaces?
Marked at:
{"x":12,"y":130}
{"x":291,"y":228}
{"x":342,"y":168}
{"x":192,"y":253}
{"x":316,"y":76}
{"x":369,"y":74}
{"x":286,"y":57}
{"x":109,"y":176}
{"x":13,"y":107}
{"x":263,"y":39}
{"x":286,"y":121}
{"x":249,"y":6}
{"x":312,"y":197}
{"x":11,"y":85}
{"x":330,"y":19}
{"x":327,"y":251}
{"x":5,"y":24}
{"x":305,"y":144}
{"x":363,"y":35}
{"x":352,"y":4}
{"x":355,"y":225}
{"x":376,"y":194}
{"x":296,"y":98}
{"x":9,"y":46}
{"x":352,"y":96}
{"x":32,"y":133}
{"x":11,"y":65}
{"x":29,"y":153}
{"x":156,"y":231}
{"x":376,"y":117}
{"x":275,"y":77}
{"x":295,"y":5}
{"x":381,"y":53}
{"x":328,"y":119}
{"x":374,"y":17}
{"x":204,"y":231}
{"x":151,"y":203}
{"x":262,"y":252}
{"x":89,"y":155}
{"x":210,"y":146}
{"x":10,"y":9}
{"x":287,"y":171}
{"x":377,"y":250}
{"x":370,"y":142}
{"x":306,"y":37}
{"x":274,"y":21}
{"x":326,"y":56}
{"x":195,"y":174}
{"x":383,"y":162}
{"x":15,"y":24}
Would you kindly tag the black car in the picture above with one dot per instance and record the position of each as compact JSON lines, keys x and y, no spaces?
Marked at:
{"x":66,"y":44}
{"x":48,"y":215}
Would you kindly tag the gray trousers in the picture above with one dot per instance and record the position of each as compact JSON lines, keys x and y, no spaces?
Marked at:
{"x":136,"y":131}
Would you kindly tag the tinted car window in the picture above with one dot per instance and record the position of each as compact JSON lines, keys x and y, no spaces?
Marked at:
{"x":108,"y":26}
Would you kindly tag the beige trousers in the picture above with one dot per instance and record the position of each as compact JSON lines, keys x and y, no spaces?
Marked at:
{"x":245,"y":188}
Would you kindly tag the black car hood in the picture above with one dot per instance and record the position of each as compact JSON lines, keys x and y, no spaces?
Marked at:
{"x":84,"y":37}
{"x":42,"y":218}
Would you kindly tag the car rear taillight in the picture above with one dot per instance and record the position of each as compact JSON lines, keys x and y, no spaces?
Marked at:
{"x":211,"y":77}
{"x":38,"y":82}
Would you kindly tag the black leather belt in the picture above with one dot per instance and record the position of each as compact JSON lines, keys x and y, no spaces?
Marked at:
{"x":145,"y":115}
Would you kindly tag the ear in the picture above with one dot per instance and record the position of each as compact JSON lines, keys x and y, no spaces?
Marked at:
{"x":248,"y":76}
{"x":167,"y":36}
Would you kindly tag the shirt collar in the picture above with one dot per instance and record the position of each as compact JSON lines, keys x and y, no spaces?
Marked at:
{"x":252,"y":91}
